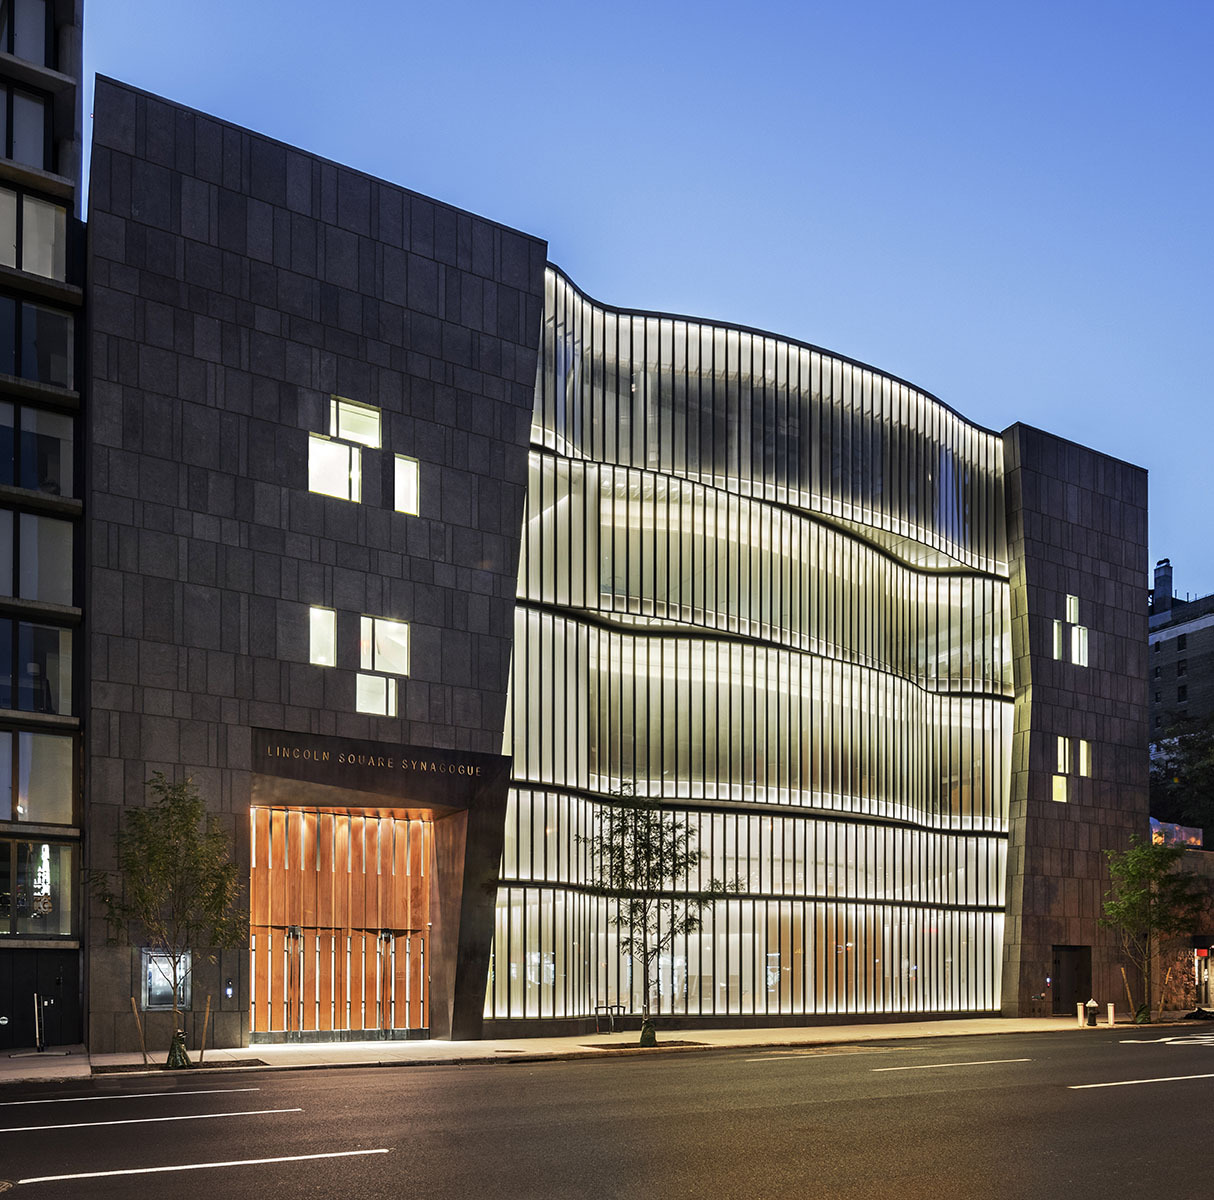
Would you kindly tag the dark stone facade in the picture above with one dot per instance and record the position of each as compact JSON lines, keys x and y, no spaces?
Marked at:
{"x":236,"y":284}
{"x":1077,"y":525}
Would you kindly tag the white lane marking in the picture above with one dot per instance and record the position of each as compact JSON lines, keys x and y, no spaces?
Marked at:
{"x":986,"y":1062}
{"x":801,"y":1054}
{"x":236,"y":1162}
{"x":148,"y":1120}
{"x":1079,"y":1087}
{"x":126,"y":1096}
{"x":1185,"y":1039}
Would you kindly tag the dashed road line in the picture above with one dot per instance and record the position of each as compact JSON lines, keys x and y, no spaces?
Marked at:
{"x":257,"y":1112}
{"x":985,"y":1062}
{"x":1079,"y":1087}
{"x":236,"y":1162}
{"x":126,"y":1096}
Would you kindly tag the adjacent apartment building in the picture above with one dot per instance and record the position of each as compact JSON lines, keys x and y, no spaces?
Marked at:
{"x":42,"y":696}
{"x":1181,"y":662}
{"x":415,"y":557}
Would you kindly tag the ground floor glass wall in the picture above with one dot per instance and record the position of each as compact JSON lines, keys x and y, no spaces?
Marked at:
{"x":556,"y":956}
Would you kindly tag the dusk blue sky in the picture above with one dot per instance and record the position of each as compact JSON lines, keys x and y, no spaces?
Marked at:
{"x":1008,"y":205}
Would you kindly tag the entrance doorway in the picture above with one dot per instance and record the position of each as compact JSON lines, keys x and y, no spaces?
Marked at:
{"x":338,"y":924}
{"x":53,"y":978}
{"x":1072,"y":978}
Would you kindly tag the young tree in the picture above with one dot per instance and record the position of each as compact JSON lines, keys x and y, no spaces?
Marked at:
{"x":640,"y":858}
{"x":1150,"y":903}
{"x":176,"y":886}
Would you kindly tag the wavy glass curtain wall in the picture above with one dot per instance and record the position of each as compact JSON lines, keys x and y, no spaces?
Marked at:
{"x":769,"y":587}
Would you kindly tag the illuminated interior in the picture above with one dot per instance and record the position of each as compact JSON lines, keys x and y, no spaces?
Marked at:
{"x":769,"y":587}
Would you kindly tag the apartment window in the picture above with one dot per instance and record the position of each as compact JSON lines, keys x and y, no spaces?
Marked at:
{"x":335,"y":461}
{"x":1158,"y":697}
{"x":33,"y":235}
{"x":27,"y":30}
{"x":37,"y":886}
{"x":384,"y":645}
{"x":1058,"y":640}
{"x":1072,"y":609}
{"x":42,"y":681}
{"x":1182,"y":667}
{"x":407,"y":486}
{"x":376,"y":695}
{"x":27,"y":128}
{"x":36,"y":342}
{"x":1079,"y":645}
{"x":1182,"y":641}
{"x":354,"y":422}
{"x":1064,"y":756}
{"x":1157,"y":647}
{"x":43,"y":555}
{"x":1182,"y":694}
{"x":1156,"y":673}
{"x":36,"y":449}
{"x":334,"y":469}
{"x":41,"y":789}
{"x":1074,"y":757}
{"x":322,"y":637}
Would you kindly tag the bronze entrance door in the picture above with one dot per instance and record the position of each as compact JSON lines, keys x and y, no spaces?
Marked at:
{"x":338,"y":922}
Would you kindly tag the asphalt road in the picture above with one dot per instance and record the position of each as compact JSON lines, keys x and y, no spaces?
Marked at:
{"x":1099,"y":1113}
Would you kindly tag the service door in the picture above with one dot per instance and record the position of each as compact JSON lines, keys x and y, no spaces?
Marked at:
{"x":338,"y":911}
{"x":1072,"y":982}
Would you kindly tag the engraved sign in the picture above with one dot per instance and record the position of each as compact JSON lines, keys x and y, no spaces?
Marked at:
{"x":448,"y":777}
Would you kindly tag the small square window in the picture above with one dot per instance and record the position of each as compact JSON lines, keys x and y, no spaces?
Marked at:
{"x":1060,"y":789}
{"x":1079,"y":645}
{"x":1072,"y":609}
{"x":322,"y":637}
{"x":407,"y":479}
{"x":376,"y":695}
{"x":158,"y":980}
{"x":334,"y":469}
{"x":354,"y":422}
{"x":384,"y":645}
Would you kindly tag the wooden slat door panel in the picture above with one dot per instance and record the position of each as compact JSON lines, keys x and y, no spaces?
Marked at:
{"x":338,"y":910}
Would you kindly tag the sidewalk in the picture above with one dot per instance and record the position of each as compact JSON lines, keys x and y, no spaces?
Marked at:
{"x":78,"y":1063}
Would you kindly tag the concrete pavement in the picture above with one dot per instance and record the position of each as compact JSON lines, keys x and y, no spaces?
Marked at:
{"x":77,"y":1063}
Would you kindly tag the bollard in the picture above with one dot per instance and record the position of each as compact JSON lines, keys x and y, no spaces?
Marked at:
{"x":1111,"y":1021}
{"x":1079,"y":1013}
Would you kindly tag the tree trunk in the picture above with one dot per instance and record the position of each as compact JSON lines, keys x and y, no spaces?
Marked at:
{"x":1147,"y":973}
{"x":645,"y":960}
